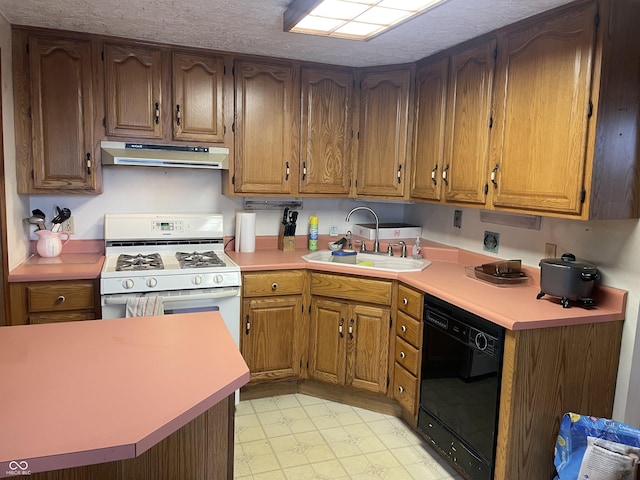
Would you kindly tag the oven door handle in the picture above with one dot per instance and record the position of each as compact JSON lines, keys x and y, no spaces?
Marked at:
{"x":225,"y":293}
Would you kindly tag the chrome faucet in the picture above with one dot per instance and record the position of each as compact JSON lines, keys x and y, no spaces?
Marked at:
{"x":376,"y":244}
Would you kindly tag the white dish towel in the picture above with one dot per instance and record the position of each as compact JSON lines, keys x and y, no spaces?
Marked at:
{"x":144,"y":306}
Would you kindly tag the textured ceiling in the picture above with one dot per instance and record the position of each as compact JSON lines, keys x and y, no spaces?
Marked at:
{"x":255,"y":26}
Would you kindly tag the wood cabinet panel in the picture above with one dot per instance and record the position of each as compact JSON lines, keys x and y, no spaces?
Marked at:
{"x":351,"y":288}
{"x":272,"y":331}
{"x":429,"y":129}
{"x":410,"y":301}
{"x":327,"y":349}
{"x":383,"y":137}
{"x":407,"y":356}
{"x":405,"y":388}
{"x":469,"y":99}
{"x":326,"y":131}
{"x":54,"y":114}
{"x":542,"y":112}
{"x":368,"y":347}
{"x":198,"y":97}
{"x":133,"y":84}
{"x":286,"y":282}
{"x":266,"y":128}
{"x":409,"y":329}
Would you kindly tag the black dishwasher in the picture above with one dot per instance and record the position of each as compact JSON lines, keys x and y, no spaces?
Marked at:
{"x":460,"y":386}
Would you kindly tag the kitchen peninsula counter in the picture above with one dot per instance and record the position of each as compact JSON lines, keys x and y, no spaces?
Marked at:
{"x":84,"y":393}
{"x":513,"y":307}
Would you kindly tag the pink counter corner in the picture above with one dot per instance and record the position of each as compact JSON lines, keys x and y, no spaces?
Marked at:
{"x":104,"y":390}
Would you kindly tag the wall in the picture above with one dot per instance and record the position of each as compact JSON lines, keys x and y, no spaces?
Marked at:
{"x":614,"y":246}
{"x":16,"y":204}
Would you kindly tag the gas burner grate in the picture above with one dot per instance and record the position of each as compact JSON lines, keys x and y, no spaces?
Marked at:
{"x":151,"y":261}
{"x":199,"y":260}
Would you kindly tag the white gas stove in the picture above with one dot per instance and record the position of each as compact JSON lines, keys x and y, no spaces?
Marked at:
{"x":178,"y":257}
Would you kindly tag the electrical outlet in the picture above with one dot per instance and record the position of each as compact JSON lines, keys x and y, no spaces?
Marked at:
{"x":457,"y":218}
{"x":491,"y":241}
{"x":549,"y":250}
{"x":333,"y":231}
{"x":68,"y":226}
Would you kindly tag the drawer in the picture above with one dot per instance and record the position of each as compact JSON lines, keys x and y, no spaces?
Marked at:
{"x":60,"y":317}
{"x":409,"y":330}
{"x":410,"y":302}
{"x":282,"y":282}
{"x":59,"y":296}
{"x":366,"y":290}
{"x":407,"y":356}
{"x":405,"y":387}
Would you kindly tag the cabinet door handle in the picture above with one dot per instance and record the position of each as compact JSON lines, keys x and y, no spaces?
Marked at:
{"x":399,"y":173}
{"x":304,"y":170}
{"x":403,"y":328}
{"x":178,"y":114}
{"x":444,"y":175}
{"x":247,"y":325}
{"x":405,"y":301}
{"x":493,"y":176}
{"x":340,"y":328}
{"x":351,"y":328}
{"x":286,"y":176}
{"x":433,"y":175}
{"x":88,"y":164}
{"x":157,"y":110}
{"x":403,"y":355}
{"x":60,"y":299}
{"x":274,"y":286}
{"x":400,"y":389}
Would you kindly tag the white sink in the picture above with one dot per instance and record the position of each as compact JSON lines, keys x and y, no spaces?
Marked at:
{"x":371,"y":260}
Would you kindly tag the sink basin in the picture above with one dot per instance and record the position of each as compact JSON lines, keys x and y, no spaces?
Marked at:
{"x":371,"y":260}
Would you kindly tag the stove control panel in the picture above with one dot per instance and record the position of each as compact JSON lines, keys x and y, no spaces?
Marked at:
{"x":162,"y":283}
{"x":167,"y":226}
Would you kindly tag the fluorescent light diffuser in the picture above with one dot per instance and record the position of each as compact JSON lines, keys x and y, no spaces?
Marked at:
{"x":353,"y":19}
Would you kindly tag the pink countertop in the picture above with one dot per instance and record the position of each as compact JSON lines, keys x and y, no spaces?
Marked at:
{"x":513,"y":307}
{"x":80,"y":393}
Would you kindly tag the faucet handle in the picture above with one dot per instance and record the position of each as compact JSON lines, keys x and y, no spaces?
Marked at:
{"x":363,"y":246}
{"x":399,"y":244}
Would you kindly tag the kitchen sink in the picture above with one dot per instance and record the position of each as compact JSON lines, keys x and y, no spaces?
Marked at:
{"x":371,"y":260}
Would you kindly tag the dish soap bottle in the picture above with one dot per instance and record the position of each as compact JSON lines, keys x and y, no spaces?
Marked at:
{"x":416,"y":250}
{"x":313,"y":233}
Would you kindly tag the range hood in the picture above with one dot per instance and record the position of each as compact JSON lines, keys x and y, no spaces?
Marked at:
{"x":150,"y":155}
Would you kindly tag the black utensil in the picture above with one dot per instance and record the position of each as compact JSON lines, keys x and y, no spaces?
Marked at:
{"x":38,"y":213}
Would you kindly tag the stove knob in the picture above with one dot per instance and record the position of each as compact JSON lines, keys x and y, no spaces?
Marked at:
{"x":128,"y":283}
{"x":218,"y":279}
{"x":196,"y":280}
{"x":152,"y":282}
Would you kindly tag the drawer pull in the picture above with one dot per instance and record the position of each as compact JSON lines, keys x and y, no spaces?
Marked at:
{"x":403,"y":328}
{"x":403,"y":355}
{"x":400,"y":389}
{"x":61,"y":299}
{"x":274,"y":286}
{"x":351,"y":328}
{"x":340,"y":327}
{"x":405,"y":301}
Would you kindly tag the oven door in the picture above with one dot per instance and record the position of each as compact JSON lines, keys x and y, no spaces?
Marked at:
{"x":225,"y":300}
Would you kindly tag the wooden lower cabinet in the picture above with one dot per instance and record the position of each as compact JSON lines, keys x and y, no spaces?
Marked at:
{"x":48,"y":302}
{"x":202,"y":449}
{"x":273,"y":324}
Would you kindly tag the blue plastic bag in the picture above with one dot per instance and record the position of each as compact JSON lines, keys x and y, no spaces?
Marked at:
{"x":591,"y":448}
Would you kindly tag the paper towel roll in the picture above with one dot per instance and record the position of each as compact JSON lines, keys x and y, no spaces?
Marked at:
{"x":245,"y":232}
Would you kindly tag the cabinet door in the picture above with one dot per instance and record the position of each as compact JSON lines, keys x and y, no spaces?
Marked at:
{"x":197,"y":97}
{"x":271,"y":340}
{"x":133,"y":91}
{"x":542,"y":113}
{"x":428,"y":139}
{"x":382,"y":149}
{"x":266,"y":133}
{"x":327,"y":355}
{"x":467,"y":126}
{"x":62,"y":114}
{"x":368,"y":351}
{"x":325,"y":144}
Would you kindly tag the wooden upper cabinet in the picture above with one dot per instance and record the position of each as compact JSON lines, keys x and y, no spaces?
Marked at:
{"x":266,"y":128}
{"x":133,"y":91}
{"x":467,"y":126}
{"x":542,"y":97}
{"x":198,"y":97}
{"x":55,"y":147}
{"x":326,"y":131}
{"x":429,"y":129}
{"x":384,"y":120}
